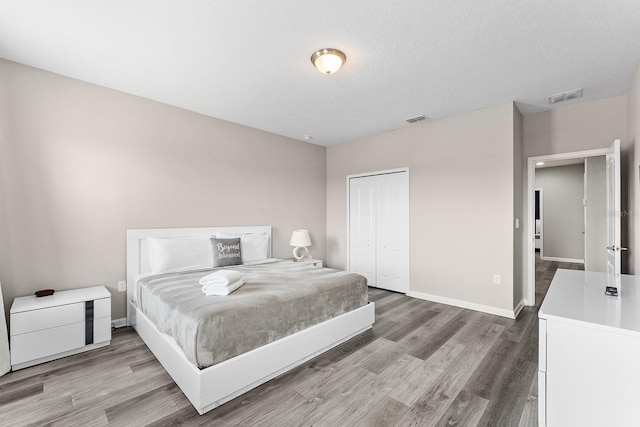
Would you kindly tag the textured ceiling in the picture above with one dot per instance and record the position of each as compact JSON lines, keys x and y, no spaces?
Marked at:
{"x":248,"y":61}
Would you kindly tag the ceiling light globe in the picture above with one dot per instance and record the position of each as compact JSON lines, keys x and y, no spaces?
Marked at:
{"x":328,"y":61}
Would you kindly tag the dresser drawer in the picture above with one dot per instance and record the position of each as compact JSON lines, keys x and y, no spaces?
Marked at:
{"x":102,"y":329}
{"x":46,"y":318}
{"x":102,"y":308}
{"x":35,"y":345}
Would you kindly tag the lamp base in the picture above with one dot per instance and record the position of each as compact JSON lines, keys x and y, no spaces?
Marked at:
{"x":299,"y":257}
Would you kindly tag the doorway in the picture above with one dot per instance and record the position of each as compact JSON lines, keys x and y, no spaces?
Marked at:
{"x":560,"y":225}
{"x":613,"y":206}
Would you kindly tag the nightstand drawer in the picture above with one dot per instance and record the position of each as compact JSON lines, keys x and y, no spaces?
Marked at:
{"x":46,"y":318}
{"x":102,"y":330}
{"x":35,"y":345}
{"x":102,"y":308}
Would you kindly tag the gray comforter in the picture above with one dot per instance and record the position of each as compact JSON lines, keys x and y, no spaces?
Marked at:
{"x":278,"y":299}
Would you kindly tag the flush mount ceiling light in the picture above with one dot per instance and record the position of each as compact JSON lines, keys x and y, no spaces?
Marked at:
{"x":328,"y":61}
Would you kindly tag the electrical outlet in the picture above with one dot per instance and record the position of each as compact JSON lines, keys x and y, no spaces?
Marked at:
{"x":496,"y":279}
{"x":122,"y":286}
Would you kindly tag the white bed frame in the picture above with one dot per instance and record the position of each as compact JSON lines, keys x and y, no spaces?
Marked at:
{"x":213,"y":386}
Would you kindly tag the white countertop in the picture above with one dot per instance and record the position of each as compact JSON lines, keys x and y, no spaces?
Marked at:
{"x":578,"y":297}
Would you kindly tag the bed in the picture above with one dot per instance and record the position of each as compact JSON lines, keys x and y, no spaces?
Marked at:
{"x":206,"y":379}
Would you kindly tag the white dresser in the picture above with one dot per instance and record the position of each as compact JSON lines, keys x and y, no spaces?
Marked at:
{"x":65,"y":323}
{"x":589,"y":354}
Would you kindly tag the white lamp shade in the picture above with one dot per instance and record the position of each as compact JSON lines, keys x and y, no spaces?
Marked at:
{"x":300,"y":238}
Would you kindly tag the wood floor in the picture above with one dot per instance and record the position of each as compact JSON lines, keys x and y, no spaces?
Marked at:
{"x":423,"y":364}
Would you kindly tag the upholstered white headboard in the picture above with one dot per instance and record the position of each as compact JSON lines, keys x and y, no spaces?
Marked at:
{"x":138,"y":257}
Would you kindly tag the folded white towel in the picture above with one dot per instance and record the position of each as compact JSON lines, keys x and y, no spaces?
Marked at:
{"x":221,"y":278}
{"x":209,"y":290}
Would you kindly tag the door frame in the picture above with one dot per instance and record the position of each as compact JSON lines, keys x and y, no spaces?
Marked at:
{"x":614,"y":211}
{"x":529,"y":282}
{"x":380,"y":172}
{"x":585,"y":202}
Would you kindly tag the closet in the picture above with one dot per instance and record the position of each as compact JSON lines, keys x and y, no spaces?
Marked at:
{"x":379,"y":228}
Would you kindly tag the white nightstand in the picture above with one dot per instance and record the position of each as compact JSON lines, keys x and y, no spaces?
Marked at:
{"x":314,"y":262}
{"x":65,"y":323}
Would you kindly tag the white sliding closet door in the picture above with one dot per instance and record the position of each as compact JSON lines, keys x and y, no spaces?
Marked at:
{"x":392,"y":232}
{"x":362,"y":228}
{"x":379,"y":229}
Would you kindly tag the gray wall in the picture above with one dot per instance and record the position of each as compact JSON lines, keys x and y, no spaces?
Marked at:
{"x":563,"y":213}
{"x":80,"y":164}
{"x":584,"y":126}
{"x":461,"y":201}
{"x":596,"y":195}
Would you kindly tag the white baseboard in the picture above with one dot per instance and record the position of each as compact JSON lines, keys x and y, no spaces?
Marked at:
{"x":511,"y":314}
{"x":558,"y":259}
{"x":119,"y":323}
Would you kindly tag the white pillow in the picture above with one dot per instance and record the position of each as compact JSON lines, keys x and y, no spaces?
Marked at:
{"x":254,"y":246}
{"x":172,"y":254}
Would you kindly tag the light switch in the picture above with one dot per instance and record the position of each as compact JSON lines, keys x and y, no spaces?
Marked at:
{"x":517,"y":223}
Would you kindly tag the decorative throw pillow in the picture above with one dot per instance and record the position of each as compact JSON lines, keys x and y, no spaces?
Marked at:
{"x":254,"y":246}
{"x":226,"y":252}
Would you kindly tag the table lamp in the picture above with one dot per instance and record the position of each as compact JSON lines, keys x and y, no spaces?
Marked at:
{"x":300,"y":240}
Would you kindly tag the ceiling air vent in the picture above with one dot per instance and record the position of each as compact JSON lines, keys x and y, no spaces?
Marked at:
{"x":565,"y":96}
{"x":416,"y":119}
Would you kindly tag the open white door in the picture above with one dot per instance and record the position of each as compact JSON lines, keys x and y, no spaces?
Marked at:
{"x":613,"y":210}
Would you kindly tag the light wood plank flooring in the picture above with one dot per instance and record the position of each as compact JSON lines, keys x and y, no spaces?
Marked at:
{"x":423,"y":364}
